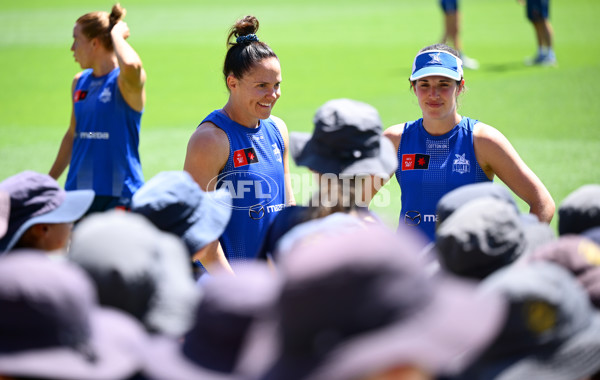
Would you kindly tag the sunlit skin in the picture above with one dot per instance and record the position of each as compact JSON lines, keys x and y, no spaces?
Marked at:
{"x":47,"y":237}
{"x":251,"y":99}
{"x":253,"y":96}
{"x":437,"y":99}
{"x":82,"y":48}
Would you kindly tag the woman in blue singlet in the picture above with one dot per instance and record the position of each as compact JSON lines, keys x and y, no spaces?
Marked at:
{"x":101,"y":144}
{"x":243,"y":148}
{"x":444,"y":150}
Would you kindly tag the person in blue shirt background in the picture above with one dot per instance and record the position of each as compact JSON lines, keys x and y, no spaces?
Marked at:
{"x":444,"y":150}
{"x":101,"y":144}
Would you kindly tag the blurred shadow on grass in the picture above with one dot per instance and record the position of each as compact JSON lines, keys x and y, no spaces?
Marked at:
{"x":505,"y":67}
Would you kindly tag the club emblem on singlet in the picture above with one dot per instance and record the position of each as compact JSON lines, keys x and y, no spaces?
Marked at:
{"x":243,"y":157}
{"x":277,"y":153}
{"x":105,"y":96}
{"x":461,"y":165}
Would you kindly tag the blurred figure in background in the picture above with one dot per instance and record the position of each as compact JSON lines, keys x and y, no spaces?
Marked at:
{"x":101,"y":145}
{"x":538,"y":13}
{"x":41,"y":213}
{"x":243,"y":147}
{"x":452,"y":31}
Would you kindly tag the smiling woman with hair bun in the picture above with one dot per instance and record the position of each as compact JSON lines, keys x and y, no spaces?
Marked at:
{"x":243,"y":147}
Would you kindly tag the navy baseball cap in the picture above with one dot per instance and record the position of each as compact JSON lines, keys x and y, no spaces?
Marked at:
{"x":436,"y":62}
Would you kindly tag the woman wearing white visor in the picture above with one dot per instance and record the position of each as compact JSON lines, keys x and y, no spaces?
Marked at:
{"x":444,"y":150}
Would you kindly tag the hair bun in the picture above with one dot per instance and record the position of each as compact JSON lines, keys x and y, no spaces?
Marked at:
{"x":248,"y":38}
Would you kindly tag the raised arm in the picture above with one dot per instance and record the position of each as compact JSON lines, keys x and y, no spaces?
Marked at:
{"x":63,"y":158}
{"x":289,"y":192}
{"x":207,"y":154}
{"x":132,"y":76}
{"x":497,"y":156}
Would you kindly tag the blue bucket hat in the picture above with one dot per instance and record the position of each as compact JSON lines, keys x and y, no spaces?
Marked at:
{"x":174,"y":202}
{"x":436,"y":62}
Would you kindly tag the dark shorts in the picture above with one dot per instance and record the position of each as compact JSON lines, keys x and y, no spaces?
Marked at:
{"x":449,"y":6}
{"x":537,"y":10}
{"x":103,"y":203}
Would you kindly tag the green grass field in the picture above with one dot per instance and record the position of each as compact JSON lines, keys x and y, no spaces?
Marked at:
{"x":355,"y":49}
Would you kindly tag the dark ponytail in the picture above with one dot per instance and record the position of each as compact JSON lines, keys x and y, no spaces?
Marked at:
{"x":245,"y":50}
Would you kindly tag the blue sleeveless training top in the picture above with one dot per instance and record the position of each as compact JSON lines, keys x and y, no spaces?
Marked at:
{"x":254,"y":175}
{"x":431,"y":166}
{"x":105,"y":154}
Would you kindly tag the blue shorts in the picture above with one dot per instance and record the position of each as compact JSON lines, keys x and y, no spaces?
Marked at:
{"x":449,"y":6}
{"x":537,"y":10}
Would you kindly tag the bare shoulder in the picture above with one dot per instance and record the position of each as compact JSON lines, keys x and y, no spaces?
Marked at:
{"x":281,"y":125}
{"x":394,"y":133}
{"x":487,"y":136}
{"x":207,"y":153}
{"x":75,"y":80}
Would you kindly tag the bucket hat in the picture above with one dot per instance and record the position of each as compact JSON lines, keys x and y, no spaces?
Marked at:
{"x":347,"y":140}
{"x":362,"y":302}
{"x":52,"y":326}
{"x":138,"y":268}
{"x":175,"y":203}
{"x":37,"y":198}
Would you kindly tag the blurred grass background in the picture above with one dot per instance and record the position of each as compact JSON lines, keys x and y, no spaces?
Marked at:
{"x":354,"y":49}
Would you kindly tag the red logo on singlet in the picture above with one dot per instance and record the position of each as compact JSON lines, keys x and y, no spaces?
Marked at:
{"x":79,"y":95}
{"x":415,"y":161}
{"x":244,"y":157}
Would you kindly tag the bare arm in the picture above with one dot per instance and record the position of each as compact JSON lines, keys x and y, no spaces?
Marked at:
{"x":63,"y":158}
{"x":497,"y":156}
{"x":289,"y":192}
{"x":394,"y":134}
{"x":207,"y":154}
{"x":132,"y":76}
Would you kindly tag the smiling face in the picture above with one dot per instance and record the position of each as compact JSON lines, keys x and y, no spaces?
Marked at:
{"x":437,"y":97}
{"x":253,"y":96}
{"x":82,"y":47}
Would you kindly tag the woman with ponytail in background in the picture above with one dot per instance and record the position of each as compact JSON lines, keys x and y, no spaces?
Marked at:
{"x":101,"y":145}
{"x":242,"y":147}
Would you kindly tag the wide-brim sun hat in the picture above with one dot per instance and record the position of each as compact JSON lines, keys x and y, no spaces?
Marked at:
{"x":53,"y":328}
{"x":347,"y":140}
{"x":37,"y":198}
{"x":553,"y":332}
{"x":138,"y":268}
{"x":175,"y":203}
{"x":215,"y":346}
{"x":436,"y":63}
{"x":390,"y":312}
